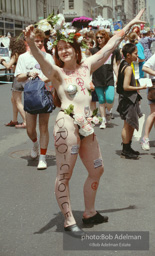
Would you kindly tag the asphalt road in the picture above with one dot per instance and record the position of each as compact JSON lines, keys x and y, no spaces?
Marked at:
{"x":30,"y":220}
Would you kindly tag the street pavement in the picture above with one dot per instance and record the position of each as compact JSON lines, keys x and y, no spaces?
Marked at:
{"x":30,"y":220}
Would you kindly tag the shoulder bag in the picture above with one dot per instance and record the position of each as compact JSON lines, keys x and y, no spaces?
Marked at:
{"x":37,"y":99}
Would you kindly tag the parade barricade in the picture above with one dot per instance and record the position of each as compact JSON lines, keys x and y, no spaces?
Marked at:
{"x":9,"y":78}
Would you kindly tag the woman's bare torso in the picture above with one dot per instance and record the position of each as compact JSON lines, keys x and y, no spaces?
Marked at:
{"x":75,"y":89}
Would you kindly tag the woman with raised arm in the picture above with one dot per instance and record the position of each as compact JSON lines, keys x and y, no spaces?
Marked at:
{"x":73,"y":130}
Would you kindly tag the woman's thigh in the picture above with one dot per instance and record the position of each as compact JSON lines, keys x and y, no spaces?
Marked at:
{"x":67,"y":143}
{"x":152,"y":107}
{"x":100,"y":94}
{"x":109,"y":94}
{"x":43,"y":120}
{"x":17,"y":95}
{"x":31,"y":121}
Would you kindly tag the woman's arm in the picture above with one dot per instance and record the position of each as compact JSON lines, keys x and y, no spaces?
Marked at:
{"x":9,"y":64}
{"x":100,"y":57}
{"x":115,"y":67}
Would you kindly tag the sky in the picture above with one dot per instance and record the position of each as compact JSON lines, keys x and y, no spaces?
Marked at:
{"x":151,"y":3}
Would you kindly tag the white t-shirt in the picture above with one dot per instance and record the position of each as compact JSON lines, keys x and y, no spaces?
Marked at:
{"x":27,"y":63}
{"x":150,"y":63}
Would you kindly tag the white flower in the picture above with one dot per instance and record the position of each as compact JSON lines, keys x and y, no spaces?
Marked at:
{"x":60,"y":21}
{"x":44,"y":25}
{"x":61,"y":17}
{"x":86,"y":127}
{"x":86,"y":130}
{"x":79,"y":119}
{"x":64,"y":32}
{"x":80,"y":39}
{"x":49,"y":45}
{"x":96,"y":120}
{"x":89,"y":119}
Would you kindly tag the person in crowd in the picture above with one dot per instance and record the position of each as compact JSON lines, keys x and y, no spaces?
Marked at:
{"x":85,"y":51}
{"x":89,"y":34}
{"x":129,"y":98}
{"x":149,"y":68}
{"x":146,"y":42}
{"x":103,"y":78}
{"x":138,"y":73}
{"x":17,"y":47}
{"x":136,"y":29}
{"x":133,"y":38}
{"x":73,"y":132}
{"x":28,"y":68}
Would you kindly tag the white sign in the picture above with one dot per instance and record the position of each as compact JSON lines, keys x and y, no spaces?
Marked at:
{"x":70,"y":13}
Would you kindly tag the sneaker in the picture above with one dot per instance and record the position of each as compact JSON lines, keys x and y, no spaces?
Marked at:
{"x":35,"y":151}
{"x":145,"y":144}
{"x":12,"y":124}
{"x":42,"y":163}
{"x":20,"y":125}
{"x":103,"y":125}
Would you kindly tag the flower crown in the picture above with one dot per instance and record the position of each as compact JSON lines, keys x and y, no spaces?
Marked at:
{"x":60,"y":30}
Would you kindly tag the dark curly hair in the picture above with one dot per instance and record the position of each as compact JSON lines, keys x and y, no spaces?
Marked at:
{"x":77,"y":49}
{"x":17,"y":46}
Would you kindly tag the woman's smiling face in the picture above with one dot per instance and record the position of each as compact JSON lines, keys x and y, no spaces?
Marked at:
{"x":65,"y":51}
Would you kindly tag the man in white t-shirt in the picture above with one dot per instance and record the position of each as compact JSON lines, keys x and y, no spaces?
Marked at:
{"x":28,"y":68}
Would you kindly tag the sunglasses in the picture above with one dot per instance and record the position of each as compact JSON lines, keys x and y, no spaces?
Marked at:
{"x":101,"y":37}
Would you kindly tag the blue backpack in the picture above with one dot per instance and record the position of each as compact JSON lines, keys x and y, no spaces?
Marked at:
{"x":37,"y":99}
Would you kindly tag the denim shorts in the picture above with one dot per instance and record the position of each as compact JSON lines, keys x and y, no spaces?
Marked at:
{"x":17,"y":86}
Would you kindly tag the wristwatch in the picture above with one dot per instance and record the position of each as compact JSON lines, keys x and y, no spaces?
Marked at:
{"x":28,"y":74}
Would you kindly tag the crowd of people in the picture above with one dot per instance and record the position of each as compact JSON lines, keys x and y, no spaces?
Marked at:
{"x":83,"y":68}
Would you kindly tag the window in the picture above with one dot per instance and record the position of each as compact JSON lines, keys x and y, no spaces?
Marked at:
{"x":18,"y":24}
{"x":71,"y":4}
{"x":9,"y":26}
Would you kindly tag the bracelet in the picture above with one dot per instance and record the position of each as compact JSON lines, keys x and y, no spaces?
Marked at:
{"x":2,"y":61}
{"x":28,"y":74}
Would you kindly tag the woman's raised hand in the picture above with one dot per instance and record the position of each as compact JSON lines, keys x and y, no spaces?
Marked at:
{"x":137,"y":18}
{"x":28,"y":33}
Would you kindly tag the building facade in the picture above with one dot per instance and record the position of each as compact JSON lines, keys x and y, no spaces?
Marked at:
{"x":143,"y":4}
{"x":15,"y":15}
{"x":77,"y":8}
